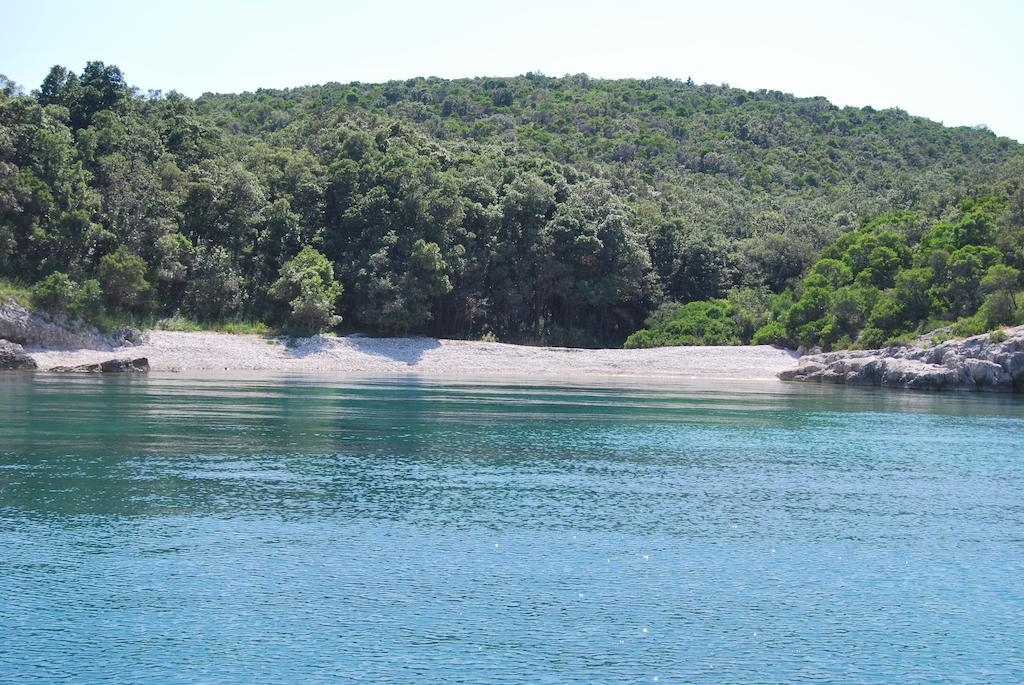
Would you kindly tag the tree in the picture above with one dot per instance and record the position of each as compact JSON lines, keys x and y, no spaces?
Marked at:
{"x":307,"y":285}
{"x":541,"y":209}
{"x":911,"y":294}
{"x":122,"y":276}
{"x":54,"y":293}
{"x":100,"y":87}
{"x":1000,"y":277}
{"x":56,"y":87}
{"x":967,"y":266}
{"x":829,"y":273}
{"x":214,"y":286}
{"x":1000,"y":286}
{"x":58,"y":294}
{"x":711,"y":322}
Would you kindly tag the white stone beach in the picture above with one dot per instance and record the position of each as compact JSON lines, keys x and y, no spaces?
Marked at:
{"x":199,"y":351}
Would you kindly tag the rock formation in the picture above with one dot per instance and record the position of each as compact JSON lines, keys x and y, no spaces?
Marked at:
{"x":13,"y":357}
{"x":993,"y":363}
{"x":25,"y":328}
{"x":140,"y":365}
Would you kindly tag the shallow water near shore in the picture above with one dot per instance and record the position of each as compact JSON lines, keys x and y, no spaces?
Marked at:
{"x":179,"y":528}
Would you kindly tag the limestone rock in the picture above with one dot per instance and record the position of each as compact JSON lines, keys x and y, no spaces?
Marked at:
{"x":139,"y":365}
{"x":976,"y":363}
{"x":14,"y":357}
{"x":33,"y":330}
{"x":125,"y":365}
{"x":80,"y":368}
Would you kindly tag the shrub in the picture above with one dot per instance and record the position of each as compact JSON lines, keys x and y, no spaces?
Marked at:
{"x":54,"y":293}
{"x":708,"y":322}
{"x":307,"y":284}
{"x":58,"y":294}
{"x":871,"y":338}
{"x":999,"y":308}
{"x":16,"y":292}
{"x":829,"y":273}
{"x":214,"y":290}
{"x":900,"y":340}
{"x":773,"y":333}
{"x":122,"y":276}
{"x":971,"y":325}
{"x":88,"y":302}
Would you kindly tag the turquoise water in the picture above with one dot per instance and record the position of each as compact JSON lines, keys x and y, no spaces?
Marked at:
{"x":176,"y":529}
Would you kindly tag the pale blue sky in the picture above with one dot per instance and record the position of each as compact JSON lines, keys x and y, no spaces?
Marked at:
{"x":956,"y":62}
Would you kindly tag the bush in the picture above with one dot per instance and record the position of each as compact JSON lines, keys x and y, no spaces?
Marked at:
{"x":901,"y":340}
{"x":709,"y":322}
{"x":88,"y":302}
{"x":54,"y":293}
{"x":999,"y":308}
{"x":968,"y":326}
{"x":829,"y":273}
{"x":58,"y":294}
{"x":214,"y":290}
{"x":872,"y":338}
{"x":122,"y":276}
{"x":307,"y":284}
{"x":888,"y":314}
{"x":773,"y":333}
{"x":16,"y":292}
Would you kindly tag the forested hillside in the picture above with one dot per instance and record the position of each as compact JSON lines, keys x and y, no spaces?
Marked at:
{"x":537,"y":209}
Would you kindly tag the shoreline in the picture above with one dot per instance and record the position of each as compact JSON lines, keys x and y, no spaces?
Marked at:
{"x":356,"y":354}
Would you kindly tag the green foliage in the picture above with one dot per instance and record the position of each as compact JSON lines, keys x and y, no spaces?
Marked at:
{"x":829,"y":273}
{"x":871,"y":288}
{"x":974,"y":228}
{"x":539,"y":209}
{"x":87,"y":304}
{"x":54,"y":293}
{"x":122,"y":276}
{"x":970,"y":325}
{"x":182,"y":324}
{"x":307,"y":285}
{"x":773,"y":333}
{"x":710,"y":322}
{"x":58,"y":294}
{"x":892,"y":298}
{"x":214,"y":286}
{"x":15,"y":292}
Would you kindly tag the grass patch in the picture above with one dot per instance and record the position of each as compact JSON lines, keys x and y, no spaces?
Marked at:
{"x":182,"y":324}
{"x":998,"y":336}
{"x":12,"y":290}
{"x":244,"y":327}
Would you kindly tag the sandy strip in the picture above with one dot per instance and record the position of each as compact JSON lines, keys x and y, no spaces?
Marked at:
{"x":169,"y":351}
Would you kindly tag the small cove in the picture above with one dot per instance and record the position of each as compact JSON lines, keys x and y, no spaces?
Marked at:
{"x":181,"y":528}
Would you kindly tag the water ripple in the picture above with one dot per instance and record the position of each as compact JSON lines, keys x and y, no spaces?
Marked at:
{"x":176,"y":529}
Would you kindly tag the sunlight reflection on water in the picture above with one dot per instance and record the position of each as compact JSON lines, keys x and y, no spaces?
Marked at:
{"x":181,"y":528}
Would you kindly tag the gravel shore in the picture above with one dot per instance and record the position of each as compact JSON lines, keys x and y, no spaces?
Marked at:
{"x":169,"y":351}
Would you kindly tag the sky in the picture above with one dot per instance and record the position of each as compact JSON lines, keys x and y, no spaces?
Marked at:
{"x":960,"y":63}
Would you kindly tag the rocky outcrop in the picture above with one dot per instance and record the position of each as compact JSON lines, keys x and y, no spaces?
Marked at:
{"x":32,"y":330}
{"x":14,"y":357}
{"x":980,"y":363}
{"x":139,"y":365}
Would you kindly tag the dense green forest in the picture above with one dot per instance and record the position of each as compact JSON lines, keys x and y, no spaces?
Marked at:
{"x":875,"y":286}
{"x":533,"y":209}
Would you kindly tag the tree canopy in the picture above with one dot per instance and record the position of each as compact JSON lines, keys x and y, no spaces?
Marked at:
{"x":558,"y":210}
